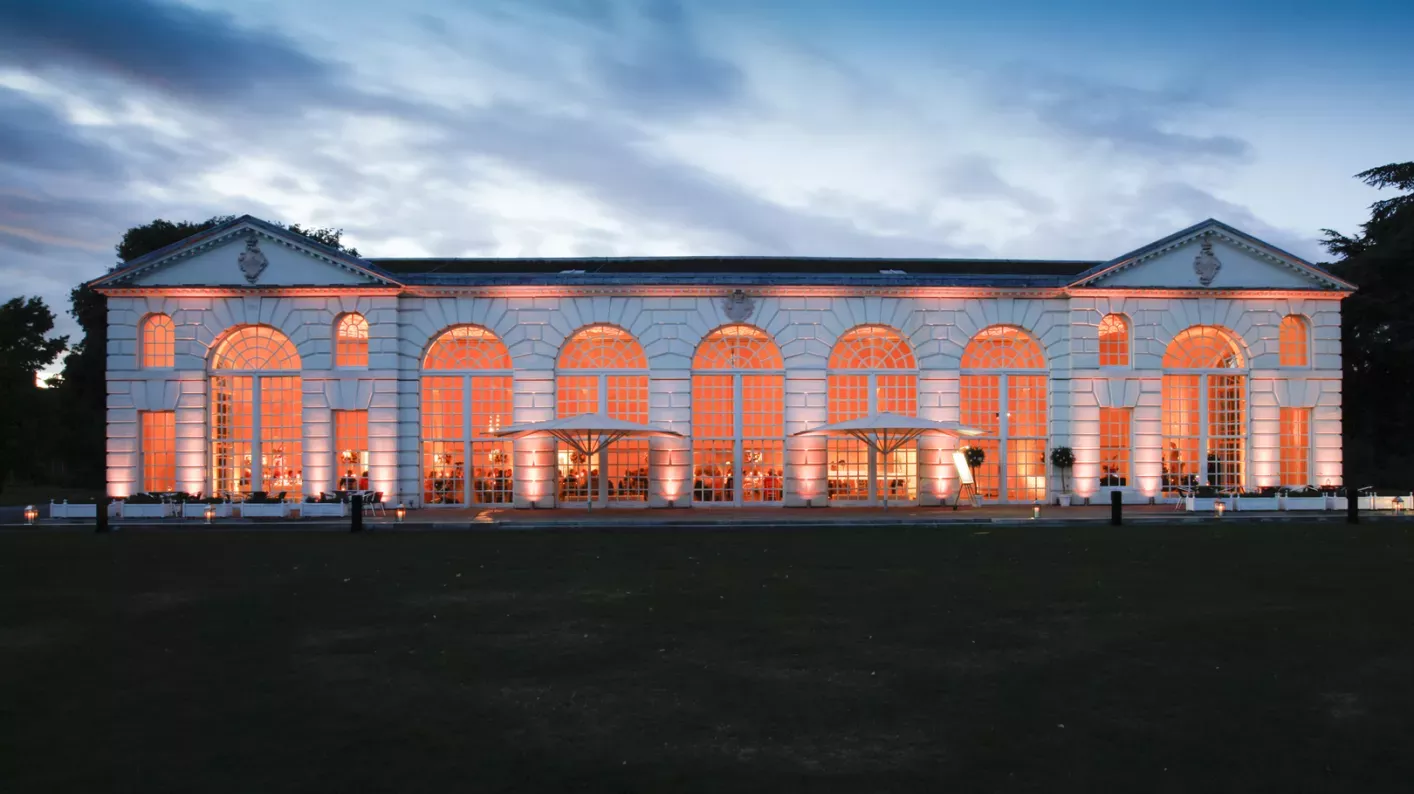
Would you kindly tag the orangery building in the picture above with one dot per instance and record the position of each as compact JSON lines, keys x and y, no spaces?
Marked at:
{"x":248,"y":358}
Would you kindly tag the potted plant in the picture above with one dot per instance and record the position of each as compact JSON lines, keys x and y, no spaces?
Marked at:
{"x":1063,"y":458}
{"x":146,"y":505}
{"x":975,"y":456}
{"x":1263,"y":499}
{"x":324,"y":506}
{"x":264,"y":506}
{"x":1304,"y":498}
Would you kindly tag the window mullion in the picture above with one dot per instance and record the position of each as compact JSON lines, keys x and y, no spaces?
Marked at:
{"x":257,"y":450}
{"x":738,"y":447}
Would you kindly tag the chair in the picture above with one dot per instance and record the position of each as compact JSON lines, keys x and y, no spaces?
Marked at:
{"x":375,"y":504}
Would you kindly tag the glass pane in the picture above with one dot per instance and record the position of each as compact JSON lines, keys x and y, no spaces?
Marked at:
{"x":351,"y":447}
{"x":762,"y":467}
{"x":626,"y":467}
{"x":1182,"y":433}
{"x":159,"y":451}
{"x":738,"y":347}
{"x":467,"y":347}
{"x":850,"y":461}
{"x":255,"y":347}
{"x":872,"y":347}
{"x":713,"y":468}
{"x":232,"y":433}
{"x":444,"y":473}
{"x":1114,"y":341}
{"x":1114,"y":447}
{"x":492,"y":480}
{"x":1295,"y":446}
{"x":602,"y":347}
{"x":1003,"y":347}
{"x":351,"y":341}
{"x":158,"y":341}
{"x":1026,"y":470}
{"x":281,"y":435}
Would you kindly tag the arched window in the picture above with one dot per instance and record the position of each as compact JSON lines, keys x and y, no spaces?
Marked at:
{"x":1114,"y":341}
{"x":603,"y":370}
{"x":257,"y":423}
{"x":158,"y":342}
{"x":466,"y":398}
{"x":871,"y":371}
{"x":1294,"y":341}
{"x":738,"y":418}
{"x":999,"y":368}
{"x":1204,"y":410}
{"x":351,"y":341}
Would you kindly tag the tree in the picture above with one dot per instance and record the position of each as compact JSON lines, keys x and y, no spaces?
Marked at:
{"x":25,"y":349}
{"x":82,"y":387}
{"x":1377,"y":331}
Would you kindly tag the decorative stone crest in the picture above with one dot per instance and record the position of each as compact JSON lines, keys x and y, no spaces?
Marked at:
{"x":1206,"y":264}
{"x":738,"y":306}
{"x":252,"y":260}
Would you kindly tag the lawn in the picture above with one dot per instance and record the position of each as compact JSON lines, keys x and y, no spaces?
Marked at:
{"x":1196,"y":658}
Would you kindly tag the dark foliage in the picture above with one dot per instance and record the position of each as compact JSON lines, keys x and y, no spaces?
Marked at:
{"x":28,"y":411}
{"x":1377,"y":332}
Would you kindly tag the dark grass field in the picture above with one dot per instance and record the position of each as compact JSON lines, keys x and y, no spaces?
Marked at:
{"x":1195,"y":658}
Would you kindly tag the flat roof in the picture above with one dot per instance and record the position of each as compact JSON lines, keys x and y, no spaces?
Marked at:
{"x":446,"y":270}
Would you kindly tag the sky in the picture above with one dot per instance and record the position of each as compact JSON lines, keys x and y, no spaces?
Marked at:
{"x":1006,"y":129}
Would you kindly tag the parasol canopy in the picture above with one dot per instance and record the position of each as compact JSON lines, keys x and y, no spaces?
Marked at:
{"x":885,"y":433}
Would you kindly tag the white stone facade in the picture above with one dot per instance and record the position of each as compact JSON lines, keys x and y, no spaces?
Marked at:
{"x":198,"y":286}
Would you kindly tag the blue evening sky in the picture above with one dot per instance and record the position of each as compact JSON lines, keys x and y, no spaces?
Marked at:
{"x":616,"y":127}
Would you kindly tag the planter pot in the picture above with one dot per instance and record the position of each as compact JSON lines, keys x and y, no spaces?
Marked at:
{"x":323,"y":510}
{"x":264,"y":510}
{"x":1385,"y":502}
{"x":148,"y":511}
{"x":1254,"y":503}
{"x":1063,"y":500}
{"x":66,"y":510}
{"x":198,"y":510}
{"x":1205,"y":504}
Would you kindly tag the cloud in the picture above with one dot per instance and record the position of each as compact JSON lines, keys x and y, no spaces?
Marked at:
{"x":194,"y":53}
{"x":1133,"y":120}
{"x":976,"y":177}
{"x":33,"y":136}
{"x":665,"y":67}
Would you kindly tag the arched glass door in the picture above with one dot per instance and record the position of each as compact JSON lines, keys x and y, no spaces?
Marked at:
{"x":257,"y":423}
{"x":603,"y":370}
{"x":1204,"y":410}
{"x":464,"y":403}
{"x":738,"y":418}
{"x":1004,"y":366}
{"x":871,"y":371}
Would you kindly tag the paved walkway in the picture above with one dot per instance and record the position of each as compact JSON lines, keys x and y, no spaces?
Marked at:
{"x":745,"y":517}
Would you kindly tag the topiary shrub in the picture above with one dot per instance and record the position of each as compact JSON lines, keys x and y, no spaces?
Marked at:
{"x":1063,"y":458}
{"x":975,"y":456}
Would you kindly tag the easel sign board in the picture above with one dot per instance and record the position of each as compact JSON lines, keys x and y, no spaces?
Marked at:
{"x":964,"y":472}
{"x":966,"y":485}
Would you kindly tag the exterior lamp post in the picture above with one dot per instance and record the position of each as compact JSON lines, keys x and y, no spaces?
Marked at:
{"x":400,"y":512}
{"x":209,"y":513}
{"x":30,"y":515}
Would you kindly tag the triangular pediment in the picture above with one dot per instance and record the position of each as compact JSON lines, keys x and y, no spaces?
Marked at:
{"x":250,"y":253}
{"x":1210,"y":256}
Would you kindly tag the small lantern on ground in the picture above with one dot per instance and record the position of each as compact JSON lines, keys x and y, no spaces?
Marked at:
{"x":31,"y":514}
{"x":1218,"y":507}
{"x":209,"y":513}
{"x":400,"y":512}
{"x":1035,"y":511}
{"x":1398,"y":505}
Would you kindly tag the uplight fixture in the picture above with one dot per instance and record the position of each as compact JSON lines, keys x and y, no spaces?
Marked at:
{"x":1219,"y":507}
{"x":1035,"y":511}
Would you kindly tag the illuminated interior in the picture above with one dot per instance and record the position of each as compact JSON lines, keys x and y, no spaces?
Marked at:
{"x":872,"y":370}
{"x":1115,"y":447}
{"x":351,"y":341}
{"x":603,"y":370}
{"x":256,"y":417}
{"x":1204,"y":410}
{"x":998,"y":369}
{"x":1293,"y":341}
{"x":1114,"y":341}
{"x":159,"y":451}
{"x":1295,"y":457}
{"x":158,"y":342}
{"x":351,"y":450}
{"x":462,"y":408}
{"x":738,"y":419}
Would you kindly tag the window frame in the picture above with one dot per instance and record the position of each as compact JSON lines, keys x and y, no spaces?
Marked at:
{"x":1303,"y":326}
{"x":341,"y":341}
{"x":145,"y":344}
{"x":1127,"y":345}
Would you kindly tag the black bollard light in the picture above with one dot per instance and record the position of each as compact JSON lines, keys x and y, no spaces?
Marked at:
{"x":100,"y":516}
{"x":356,"y":520}
{"x":1352,"y":508}
{"x":1116,"y":508}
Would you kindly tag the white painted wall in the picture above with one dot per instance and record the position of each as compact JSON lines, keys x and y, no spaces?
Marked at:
{"x":669,"y":329}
